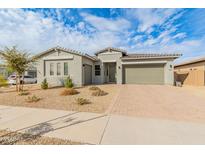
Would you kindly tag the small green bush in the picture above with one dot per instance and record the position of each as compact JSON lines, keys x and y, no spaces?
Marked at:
{"x":68,"y":83}
{"x":82,"y":101}
{"x":32,"y":99}
{"x":99,"y":93}
{"x":44,"y":84}
{"x":94,"y":88}
{"x":3,"y":81}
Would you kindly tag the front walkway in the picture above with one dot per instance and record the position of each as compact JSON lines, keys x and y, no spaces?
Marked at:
{"x":94,"y":128}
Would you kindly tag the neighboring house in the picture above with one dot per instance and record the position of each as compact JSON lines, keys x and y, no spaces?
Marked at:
{"x":191,"y":72}
{"x":110,"y":65}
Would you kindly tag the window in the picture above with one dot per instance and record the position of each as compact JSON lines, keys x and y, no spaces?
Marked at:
{"x":65,"y":68}
{"x":58,"y":68}
{"x":51,"y":69}
{"x":97,"y":70}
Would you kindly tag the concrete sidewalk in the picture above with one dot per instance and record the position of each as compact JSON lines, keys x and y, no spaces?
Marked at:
{"x":94,"y":128}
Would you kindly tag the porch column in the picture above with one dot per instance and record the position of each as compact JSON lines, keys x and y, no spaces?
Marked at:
{"x":119,"y":72}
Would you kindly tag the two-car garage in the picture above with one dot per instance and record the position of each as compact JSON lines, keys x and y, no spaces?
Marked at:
{"x":143,"y":74}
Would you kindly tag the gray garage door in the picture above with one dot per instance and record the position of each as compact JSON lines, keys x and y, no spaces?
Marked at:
{"x":87,"y":74}
{"x":144,"y":74}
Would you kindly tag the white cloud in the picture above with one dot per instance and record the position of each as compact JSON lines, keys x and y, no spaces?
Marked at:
{"x":179,"y":35}
{"x":81,"y":25}
{"x":189,"y":48}
{"x":35,"y":33}
{"x":103,"y":24}
{"x":148,"y":18}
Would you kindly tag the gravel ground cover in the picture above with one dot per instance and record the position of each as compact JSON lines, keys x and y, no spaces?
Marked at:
{"x":51,"y":98}
{"x":15,"y":138}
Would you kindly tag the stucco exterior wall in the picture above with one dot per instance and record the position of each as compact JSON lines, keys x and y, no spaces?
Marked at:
{"x":74,"y":68}
{"x":109,"y":56}
{"x":169,"y":73}
{"x":191,"y":74}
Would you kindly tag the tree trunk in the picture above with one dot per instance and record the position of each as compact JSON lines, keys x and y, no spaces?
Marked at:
{"x":18,"y":83}
{"x":22,"y":83}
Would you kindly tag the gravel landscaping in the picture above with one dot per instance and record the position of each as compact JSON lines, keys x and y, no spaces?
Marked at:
{"x":51,"y":98}
{"x":11,"y":138}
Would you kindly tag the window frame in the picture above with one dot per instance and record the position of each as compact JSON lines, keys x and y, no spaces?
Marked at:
{"x":51,"y":72}
{"x":58,"y":68}
{"x":97,"y":70}
{"x":65,"y":72}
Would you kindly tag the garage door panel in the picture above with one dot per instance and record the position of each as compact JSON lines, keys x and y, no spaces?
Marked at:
{"x":144,"y":74}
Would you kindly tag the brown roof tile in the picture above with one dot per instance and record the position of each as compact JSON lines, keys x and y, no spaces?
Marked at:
{"x":191,"y":61}
{"x":151,"y":55}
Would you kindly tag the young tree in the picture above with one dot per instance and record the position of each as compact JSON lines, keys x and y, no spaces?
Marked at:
{"x":18,"y":61}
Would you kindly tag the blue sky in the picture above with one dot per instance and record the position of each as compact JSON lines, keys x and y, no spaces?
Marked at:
{"x":88,"y":30}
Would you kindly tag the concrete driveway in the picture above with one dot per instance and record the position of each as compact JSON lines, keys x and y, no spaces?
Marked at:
{"x":161,"y":102}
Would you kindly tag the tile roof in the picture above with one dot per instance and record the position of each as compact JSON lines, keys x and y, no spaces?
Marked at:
{"x":150,"y":55}
{"x":110,"y":48}
{"x":66,"y":50}
{"x":191,"y":61}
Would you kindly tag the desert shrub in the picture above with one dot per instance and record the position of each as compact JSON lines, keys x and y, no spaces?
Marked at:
{"x":68,"y":83}
{"x":24,"y":93}
{"x":99,"y":93}
{"x":69,"y":91}
{"x":3,"y":81}
{"x":82,"y":101}
{"x":32,"y":99}
{"x":44,"y":84}
{"x":94,"y":88}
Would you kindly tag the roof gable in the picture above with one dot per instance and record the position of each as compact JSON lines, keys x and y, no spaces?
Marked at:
{"x":58,"y":48}
{"x":110,"y":49}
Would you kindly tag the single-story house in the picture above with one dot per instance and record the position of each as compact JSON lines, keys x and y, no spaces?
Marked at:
{"x":191,"y":72}
{"x":109,"y":65}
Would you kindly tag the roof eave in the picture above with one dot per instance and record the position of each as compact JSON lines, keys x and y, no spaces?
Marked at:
{"x":110,"y":48}
{"x":65,"y":50}
{"x":164,"y":57}
{"x":188,"y":63}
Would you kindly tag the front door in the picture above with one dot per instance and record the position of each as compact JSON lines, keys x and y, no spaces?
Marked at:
{"x":112,"y":72}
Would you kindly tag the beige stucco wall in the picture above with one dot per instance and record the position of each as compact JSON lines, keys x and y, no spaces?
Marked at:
{"x":169,"y":73}
{"x":109,"y":56}
{"x":191,"y":74}
{"x":74,"y":68}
